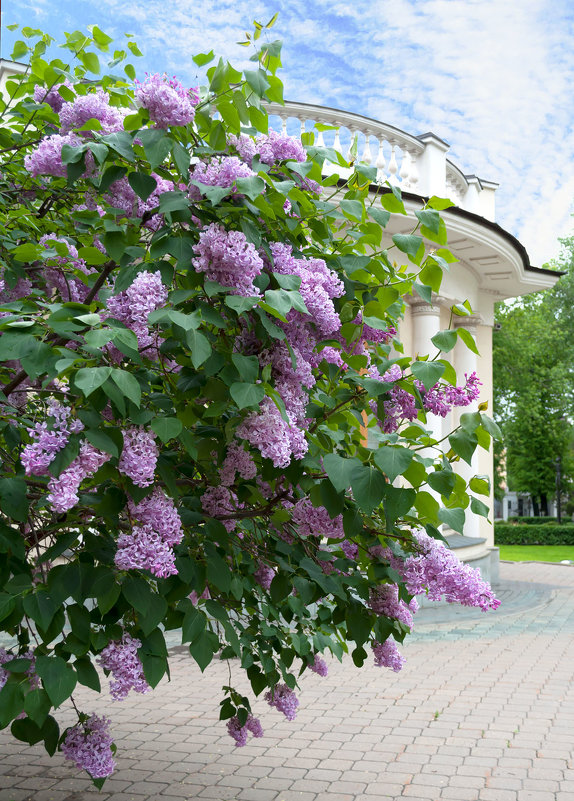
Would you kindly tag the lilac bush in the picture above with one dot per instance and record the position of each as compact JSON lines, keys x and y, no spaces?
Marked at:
{"x":209,"y":425}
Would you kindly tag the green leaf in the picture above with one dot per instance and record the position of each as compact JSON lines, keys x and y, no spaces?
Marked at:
{"x":247,"y":366}
{"x":121,"y":142}
{"x":201,"y":59}
{"x":88,"y":379}
{"x":138,"y":593}
{"x":199,"y":346}
{"x":393,"y":461}
{"x":397,"y":502}
{"x":252,"y":187}
{"x":429,"y":218}
{"x":464,"y":444}
{"x":13,"y":498}
{"x":128,"y":385}
{"x":391,"y":201}
{"x":58,"y":677}
{"x":352,"y":209}
{"x":11,"y":702}
{"x":240,"y":304}
{"x":102,"y":440}
{"x":442,"y":481}
{"x":246,"y":395}
{"x":439,"y":203}
{"x":37,"y":705}
{"x":445,"y":340}
{"x":480,"y":484}
{"x":489,"y":425}
{"x":427,"y":372}
{"x":203,"y":648}
{"x":193,"y":624}
{"x":453,"y":517}
{"x":142,"y":184}
{"x":408,"y":243}
{"x":41,"y":608}
{"x":467,"y":338}
{"x":257,"y":80}
{"x":92,"y":255}
{"x":368,"y":487}
{"x":87,"y":674}
{"x":167,"y":428}
{"x":7,"y":605}
{"x":340,"y":470}
{"x":156,"y":144}
{"x":90,"y":61}
{"x":479,"y":508}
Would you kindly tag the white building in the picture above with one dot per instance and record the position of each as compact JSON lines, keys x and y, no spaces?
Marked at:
{"x":492,"y":264}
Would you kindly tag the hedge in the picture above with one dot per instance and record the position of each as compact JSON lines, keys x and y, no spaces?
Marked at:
{"x":526,"y":534}
{"x":533,"y":521}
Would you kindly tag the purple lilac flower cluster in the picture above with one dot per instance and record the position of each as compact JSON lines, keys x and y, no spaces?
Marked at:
{"x":290,"y":380}
{"x":319,"y":666}
{"x":58,"y":278}
{"x":166,"y":100}
{"x":52,"y":95}
{"x":64,"y":489}
{"x":441,"y":398}
{"x":228,"y":258}
{"x":271,"y":148}
{"x":275,"y":438}
{"x":220,"y":501}
{"x":92,"y":106}
{"x":121,"y":658}
{"x":401,"y":405}
{"x":33,"y":678}
{"x":237,"y":460}
{"x":315,"y":521}
{"x":239,"y":733}
{"x":37,"y":456}
{"x":121,"y":196}
{"x":388,"y":655}
{"x":264,"y":575}
{"x":218,"y":171}
{"x":284,"y":700}
{"x":139,"y":456}
{"x":439,"y":572}
{"x":133,"y":306}
{"x":375,"y":335}
{"x":384,"y":601}
{"x":149,"y":545}
{"x":47,"y":158}
{"x":88,"y":744}
{"x":319,"y":286}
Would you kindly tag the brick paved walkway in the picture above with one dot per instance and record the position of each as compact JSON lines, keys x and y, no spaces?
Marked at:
{"x":484,"y":709}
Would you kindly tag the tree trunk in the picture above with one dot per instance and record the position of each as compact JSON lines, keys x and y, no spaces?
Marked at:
{"x":535,"y":506}
{"x":543,"y":504}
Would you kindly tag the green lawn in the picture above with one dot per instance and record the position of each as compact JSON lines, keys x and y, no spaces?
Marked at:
{"x":536,"y":553}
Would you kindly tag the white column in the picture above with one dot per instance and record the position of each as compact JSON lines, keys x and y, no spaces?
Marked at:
{"x":426,"y":323}
{"x":465,"y":361}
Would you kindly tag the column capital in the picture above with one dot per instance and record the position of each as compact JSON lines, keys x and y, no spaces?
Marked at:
{"x":470,"y":321}
{"x":420,"y":306}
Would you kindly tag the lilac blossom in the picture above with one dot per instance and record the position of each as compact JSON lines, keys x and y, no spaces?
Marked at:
{"x":158,"y":511}
{"x":239,"y":733}
{"x":400,"y":404}
{"x":33,"y":678}
{"x":270,"y":148}
{"x":51,"y":95}
{"x":92,"y":106}
{"x":144,"y":549}
{"x":290,"y":380}
{"x":218,"y":171}
{"x":284,"y":700}
{"x":264,"y":575}
{"x":437,"y":571}
{"x":121,"y":658}
{"x":384,"y":601}
{"x":64,"y":489}
{"x":350,"y":549}
{"x":219,"y":502}
{"x":139,"y":456}
{"x":319,"y":666}
{"x":57,"y":271}
{"x":440,"y":398}
{"x":46,"y":159}
{"x":315,"y":521}
{"x":275,"y":438}
{"x":228,"y":258}
{"x":133,"y":307}
{"x":375,"y":335}
{"x":166,"y":100}
{"x":88,"y":744}
{"x":387,"y":655}
{"x":49,"y":441}
{"x":195,"y":598}
{"x":237,"y":460}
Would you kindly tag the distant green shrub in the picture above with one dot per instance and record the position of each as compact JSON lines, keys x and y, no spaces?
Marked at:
{"x":533,"y":521}
{"x":527,"y":534}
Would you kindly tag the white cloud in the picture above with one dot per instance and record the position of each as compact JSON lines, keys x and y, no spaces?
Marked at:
{"x":492,"y":77}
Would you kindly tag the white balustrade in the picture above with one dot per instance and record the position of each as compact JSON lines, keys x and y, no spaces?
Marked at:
{"x":415,"y":164}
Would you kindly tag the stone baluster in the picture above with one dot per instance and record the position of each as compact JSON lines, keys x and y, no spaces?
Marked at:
{"x":367,"y":157}
{"x":414,"y":173}
{"x":380,"y":163}
{"x":404,"y":172}
{"x":283,"y":124}
{"x":393,"y":167}
{"x":337,"y":142}
{"x":302,"y":128}
{"x":320,"y":139}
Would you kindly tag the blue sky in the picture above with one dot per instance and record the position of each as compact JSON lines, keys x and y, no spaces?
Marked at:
{"x":494,"y":78}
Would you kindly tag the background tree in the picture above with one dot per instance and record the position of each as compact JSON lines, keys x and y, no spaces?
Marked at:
{"x":533,"y":356}
{"x":194,"y":334}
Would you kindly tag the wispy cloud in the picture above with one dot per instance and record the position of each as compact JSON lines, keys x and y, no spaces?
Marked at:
{"x":492,"y":77}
